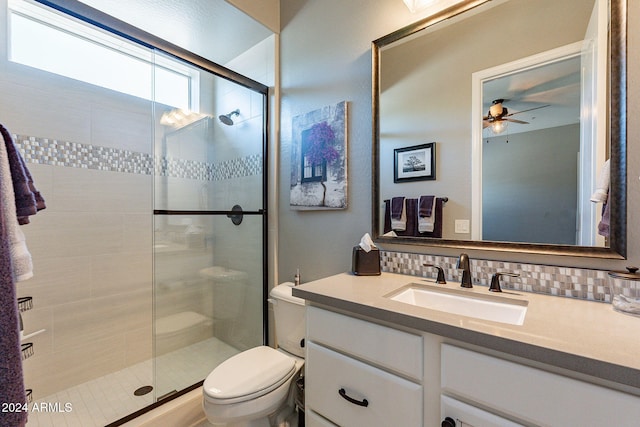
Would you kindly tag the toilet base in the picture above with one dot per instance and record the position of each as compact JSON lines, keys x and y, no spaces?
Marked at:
{"x":261,"y":422}
{"x":274,"y":420}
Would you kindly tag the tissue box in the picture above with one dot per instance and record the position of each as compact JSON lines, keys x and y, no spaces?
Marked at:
{"x":365,"y":263}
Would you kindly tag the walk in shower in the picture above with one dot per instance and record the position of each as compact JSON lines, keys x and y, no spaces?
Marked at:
{"x":150,"y":259}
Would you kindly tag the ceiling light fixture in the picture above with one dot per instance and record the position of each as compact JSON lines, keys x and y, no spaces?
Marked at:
{"x":179,"y":118}
{"x":417,"y":5}
{"x":499,"y":126}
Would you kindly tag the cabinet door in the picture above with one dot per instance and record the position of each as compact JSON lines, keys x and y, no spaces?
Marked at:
{"x":533,"y":395}
{"x":353,"y":394}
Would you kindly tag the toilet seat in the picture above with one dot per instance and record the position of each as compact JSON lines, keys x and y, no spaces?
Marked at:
{"x":248,"y":375}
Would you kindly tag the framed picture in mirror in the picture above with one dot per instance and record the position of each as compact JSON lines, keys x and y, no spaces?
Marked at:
{"x":416,"y":163}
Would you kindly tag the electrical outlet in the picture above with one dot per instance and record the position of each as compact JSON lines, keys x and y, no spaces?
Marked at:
{"x":462,"y":226}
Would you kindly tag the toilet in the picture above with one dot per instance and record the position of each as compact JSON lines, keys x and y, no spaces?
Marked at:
{"x":254,"y":388}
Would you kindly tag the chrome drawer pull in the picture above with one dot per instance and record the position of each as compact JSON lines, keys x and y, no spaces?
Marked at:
{"x":363,"y":402}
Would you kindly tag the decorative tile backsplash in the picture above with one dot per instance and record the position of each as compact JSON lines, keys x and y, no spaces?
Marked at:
{"x":560,"y":281}
{"x":77,"y":155}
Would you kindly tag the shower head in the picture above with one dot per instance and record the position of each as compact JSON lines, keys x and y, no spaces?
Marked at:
{"x":226,"y":118}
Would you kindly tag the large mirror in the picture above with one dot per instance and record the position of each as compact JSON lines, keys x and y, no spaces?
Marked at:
{"x":501,"y":125}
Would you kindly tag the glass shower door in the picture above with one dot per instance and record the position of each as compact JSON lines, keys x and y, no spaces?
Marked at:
{"x":209,"y":230}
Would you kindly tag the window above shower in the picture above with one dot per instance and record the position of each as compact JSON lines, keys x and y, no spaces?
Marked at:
{"x":44,"y":39}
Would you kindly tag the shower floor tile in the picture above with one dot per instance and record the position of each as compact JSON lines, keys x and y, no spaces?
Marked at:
{"x":106,"y":399}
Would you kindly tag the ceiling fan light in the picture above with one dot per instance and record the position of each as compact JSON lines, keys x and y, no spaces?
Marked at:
{"x":417,"y":5}
{"x":499,"y":126}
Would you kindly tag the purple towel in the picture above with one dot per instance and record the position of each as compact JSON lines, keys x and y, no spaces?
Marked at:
{"x":397,"y":204}
{"x":425,"y":205}
{"x":12,"y":384}
{"x":28,"y":199}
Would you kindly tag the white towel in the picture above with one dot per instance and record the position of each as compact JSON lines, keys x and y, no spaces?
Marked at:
{"x":400,"y":224}
{"x":20,"y":256}
{"x":426,"y":224}
{"x":601,"y":193}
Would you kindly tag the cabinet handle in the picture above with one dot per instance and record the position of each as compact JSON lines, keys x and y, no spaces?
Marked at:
{"x":363,"y":402}
{"x":448,"y":422}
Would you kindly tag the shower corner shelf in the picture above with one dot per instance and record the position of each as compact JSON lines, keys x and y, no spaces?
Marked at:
{"x":27,"y":350}
{"x":25,"y":304}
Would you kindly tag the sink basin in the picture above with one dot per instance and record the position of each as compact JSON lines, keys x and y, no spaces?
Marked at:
{"x":486,"y":307}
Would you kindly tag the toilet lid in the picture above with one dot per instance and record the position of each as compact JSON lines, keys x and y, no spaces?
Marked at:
{"x":249,"y":374}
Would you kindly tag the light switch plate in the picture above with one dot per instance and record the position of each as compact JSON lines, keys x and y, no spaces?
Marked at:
{"x":462,"y":226}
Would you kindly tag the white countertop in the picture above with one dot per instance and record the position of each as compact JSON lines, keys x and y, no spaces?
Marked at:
{"x":582,"y":336}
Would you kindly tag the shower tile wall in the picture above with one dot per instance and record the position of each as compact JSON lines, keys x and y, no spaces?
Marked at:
{"x":92,"y":287}
{"x":92,"y":251}
{"x":91,"y":247}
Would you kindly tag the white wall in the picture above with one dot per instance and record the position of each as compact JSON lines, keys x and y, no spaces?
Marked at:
{"x":325,"y":58}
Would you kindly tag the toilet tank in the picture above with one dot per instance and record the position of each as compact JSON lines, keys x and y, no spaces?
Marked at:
{"x":289,"y":316}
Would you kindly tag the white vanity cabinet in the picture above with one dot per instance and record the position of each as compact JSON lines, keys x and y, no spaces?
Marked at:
{"x":359,"y":373}
{"x":572,"y":363}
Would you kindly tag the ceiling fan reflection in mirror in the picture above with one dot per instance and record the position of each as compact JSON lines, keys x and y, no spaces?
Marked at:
{"x":499,"y":117}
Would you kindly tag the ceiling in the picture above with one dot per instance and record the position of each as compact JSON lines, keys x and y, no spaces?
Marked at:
{"x":213,"y":29}
{"x":554,"y":87}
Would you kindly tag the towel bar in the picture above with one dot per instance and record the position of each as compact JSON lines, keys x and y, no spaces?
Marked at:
{"x":33,"y":334}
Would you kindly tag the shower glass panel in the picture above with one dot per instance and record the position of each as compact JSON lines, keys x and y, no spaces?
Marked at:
{"x":208,"y":295}
{"x":208,"y":230}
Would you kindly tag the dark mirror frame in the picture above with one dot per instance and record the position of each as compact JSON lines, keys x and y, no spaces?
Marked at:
{"x":617,"y":139}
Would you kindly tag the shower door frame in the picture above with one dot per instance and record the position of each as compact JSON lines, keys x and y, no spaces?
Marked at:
{"x":113,"y":25}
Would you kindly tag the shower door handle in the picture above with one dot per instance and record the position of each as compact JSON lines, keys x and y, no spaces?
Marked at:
{"x":237,"y":216}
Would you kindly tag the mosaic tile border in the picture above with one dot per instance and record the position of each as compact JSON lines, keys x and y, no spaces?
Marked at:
{"x":234,"y":168}
{"x":86,"y":156}
{"x":579,"y":283}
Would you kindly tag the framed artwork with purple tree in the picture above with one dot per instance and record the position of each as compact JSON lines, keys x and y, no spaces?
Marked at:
{"x":319,"y":159}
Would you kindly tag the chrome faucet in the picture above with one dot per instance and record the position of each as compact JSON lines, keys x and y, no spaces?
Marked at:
{"x":463,"y":264}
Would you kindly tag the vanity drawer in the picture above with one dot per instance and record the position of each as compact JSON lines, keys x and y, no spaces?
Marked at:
{"x":389,"y":348}
{"x":331,"y":379}
{"x":531,"y":394}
